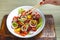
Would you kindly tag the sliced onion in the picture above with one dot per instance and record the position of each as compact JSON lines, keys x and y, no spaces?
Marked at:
{"x":32,"y":25}
{"x":23,"y":29}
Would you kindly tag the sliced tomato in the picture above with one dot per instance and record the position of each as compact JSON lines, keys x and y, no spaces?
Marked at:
{"x":33,"y":28}
{"x":23,"y":14}
{"x":23,"y":33}
{"x":20,"y":23}
{"x":15,"y":18}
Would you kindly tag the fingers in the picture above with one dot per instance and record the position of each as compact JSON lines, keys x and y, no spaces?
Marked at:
{"x":49,"y":1}
{"x":55,"y":2}
{"x":46,"y":1}
{"x":41,"y":3}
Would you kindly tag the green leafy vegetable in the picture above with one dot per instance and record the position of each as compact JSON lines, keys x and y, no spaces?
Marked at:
{"x":40,"y":23}
{"x":20,"y":10}
{"x":14,"y":24}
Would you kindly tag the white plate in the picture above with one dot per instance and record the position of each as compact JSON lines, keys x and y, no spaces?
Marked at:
{"x":15,"y":13}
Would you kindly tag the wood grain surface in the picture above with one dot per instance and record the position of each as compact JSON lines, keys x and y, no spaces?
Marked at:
{"x":48,"y":33}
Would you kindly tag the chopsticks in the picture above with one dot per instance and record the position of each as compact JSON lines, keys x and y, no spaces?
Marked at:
{"x":35,"y":7}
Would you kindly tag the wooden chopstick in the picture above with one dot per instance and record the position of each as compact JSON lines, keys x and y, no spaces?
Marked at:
{"x":35,"y":7}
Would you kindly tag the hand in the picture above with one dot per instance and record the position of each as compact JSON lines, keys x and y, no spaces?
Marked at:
{"x":55,"y":2}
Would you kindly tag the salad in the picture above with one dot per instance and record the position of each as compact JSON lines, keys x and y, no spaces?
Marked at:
{"x":24,"y":23}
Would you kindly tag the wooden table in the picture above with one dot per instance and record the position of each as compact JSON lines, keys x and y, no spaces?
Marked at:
{"x":48,"y":33}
